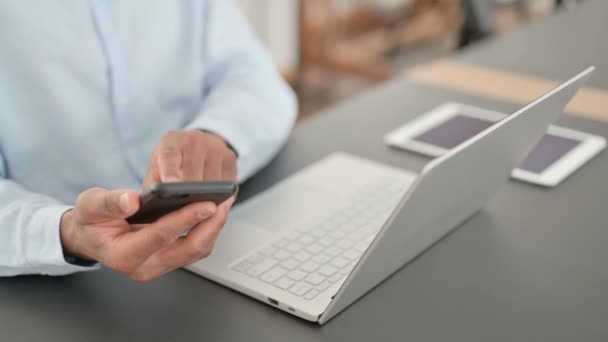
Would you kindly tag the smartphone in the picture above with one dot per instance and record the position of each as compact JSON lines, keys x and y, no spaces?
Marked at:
{"x":163,"y":198}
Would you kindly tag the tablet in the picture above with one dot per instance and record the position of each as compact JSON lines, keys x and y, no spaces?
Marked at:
{"x":558,"y":154}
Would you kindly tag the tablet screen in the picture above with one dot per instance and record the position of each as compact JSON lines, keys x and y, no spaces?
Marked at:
{"x":459,"y":128}
{"x":549,"y":150}
{"x":453,"y":131}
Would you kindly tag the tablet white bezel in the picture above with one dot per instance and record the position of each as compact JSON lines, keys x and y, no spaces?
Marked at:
{"x":589,"y":145}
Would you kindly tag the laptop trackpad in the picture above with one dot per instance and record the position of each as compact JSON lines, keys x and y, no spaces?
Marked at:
{"x":287,"y":205}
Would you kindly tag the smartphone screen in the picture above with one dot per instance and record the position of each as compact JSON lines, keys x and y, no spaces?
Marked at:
{"x":164,"y":198}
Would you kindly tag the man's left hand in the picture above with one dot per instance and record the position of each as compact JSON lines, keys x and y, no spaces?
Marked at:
{"x":191,"y":156}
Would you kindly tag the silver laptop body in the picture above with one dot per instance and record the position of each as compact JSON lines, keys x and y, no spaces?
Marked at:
{"x":316,"y":242}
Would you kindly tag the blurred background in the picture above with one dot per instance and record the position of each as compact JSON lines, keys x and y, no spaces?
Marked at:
{"x":330,"y":50}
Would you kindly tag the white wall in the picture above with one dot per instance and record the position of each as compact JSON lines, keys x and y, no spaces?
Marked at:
{"x":276,"y":23}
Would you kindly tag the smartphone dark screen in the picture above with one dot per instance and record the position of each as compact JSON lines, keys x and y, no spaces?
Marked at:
{"x":164,"y":198}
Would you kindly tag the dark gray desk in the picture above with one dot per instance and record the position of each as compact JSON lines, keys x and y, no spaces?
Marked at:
{"x":556,"y":47}
{"x":531,"y":266}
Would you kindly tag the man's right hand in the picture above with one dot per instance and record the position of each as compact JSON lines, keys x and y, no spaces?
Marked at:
{"x":96,"y":230}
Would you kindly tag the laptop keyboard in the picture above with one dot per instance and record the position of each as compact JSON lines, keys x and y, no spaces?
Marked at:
{"x":308,"y":260}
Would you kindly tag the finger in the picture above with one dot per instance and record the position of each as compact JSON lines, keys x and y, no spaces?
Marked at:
{"x":213,"y":166}
{"x":201,"y":238}
{"x":97,"y":204}
{"x":152,"y":177}
{"x":144,"y":242}
{"x":170,"y":161}
{"x":196,"y":245}
{"x":193,"y":162}
{"x":229,"y":170}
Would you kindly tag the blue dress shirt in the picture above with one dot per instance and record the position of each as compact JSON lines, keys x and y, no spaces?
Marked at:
{"x":87,"y":89}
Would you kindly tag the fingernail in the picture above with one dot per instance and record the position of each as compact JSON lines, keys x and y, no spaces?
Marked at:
{"x":172,"y":179}
{"x":123,"y":202}
{"x":229,"y":202}
{"x":203,"y":214}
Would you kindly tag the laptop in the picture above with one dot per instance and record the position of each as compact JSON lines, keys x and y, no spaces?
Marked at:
{"x":317,"y":241}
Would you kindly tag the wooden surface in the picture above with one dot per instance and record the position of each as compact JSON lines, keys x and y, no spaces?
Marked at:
{"x":507,"y":86}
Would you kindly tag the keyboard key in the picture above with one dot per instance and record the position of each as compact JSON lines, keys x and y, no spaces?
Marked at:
{"x":326,"y":241}
{"x":361,"y":206}
{"x":361,"y":246}
{"x":344,"y":244}
{"x":348,"y":228}
{"x":346,"y":270}
{"x":328,"y":226}
{"x":349,"y":212}
{"x":368,"y":214}
{"x":315,"y":248}
{"x":290,"y":264}
{"x":333,"y":250}
{"x":242,"y":266}
{"x":296,"y":275}
{"x":300,"y":288}
{"x":274,"y":274}
{"x":315,"y":279}
{"x":367,"y":229}
{"x":360,"y":221}
{"x":317,"y":233}
{"x":282,"y":242}
{"x":302,"y":256}
{"x":321,"y":258}
{"x":324,"y":285}
{"x":294,"y":247}
{"x":311,"y":294}
{"x":335,"y":277}
{"x":284,"y":283}
{"x":256,"y":257}
{"x":327,"y":270}
{"x":340,"y":282}
{"x":372,"y":213}
{"x":261,"y":267}
{"x":340,"y":219}
{"x":306,"y":239}
{"x":336,"y":234}
{"x":292,"y":235}
{"x":356,"y":236}
{"x":309,"y":266}
{"x":378,"y":222}
{"x":368,"y":239}
{"x":282,"y":255}
{"x":269,"y":250}
{"x":352,"y":254}
{"x":340,"y":262}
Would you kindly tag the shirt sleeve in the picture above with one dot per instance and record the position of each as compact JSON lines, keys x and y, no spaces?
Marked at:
{"x":30,"y":242}
{"x":246,"y":100}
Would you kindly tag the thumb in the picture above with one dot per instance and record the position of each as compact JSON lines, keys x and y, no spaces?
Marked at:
{"x":99,"y":204}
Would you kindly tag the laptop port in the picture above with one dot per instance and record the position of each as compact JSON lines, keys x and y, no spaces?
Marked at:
{"x":273,"y":301}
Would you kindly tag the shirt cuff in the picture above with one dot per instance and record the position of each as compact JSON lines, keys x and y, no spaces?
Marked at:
{"x":42,"y":242}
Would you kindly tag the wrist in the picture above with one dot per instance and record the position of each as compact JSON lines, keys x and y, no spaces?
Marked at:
{"x":68,"y":235}
{"x":236,"y":154}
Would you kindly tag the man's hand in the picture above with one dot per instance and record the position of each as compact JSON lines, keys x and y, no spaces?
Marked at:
{"x":191,"y":156}
{"x":96,"y":230}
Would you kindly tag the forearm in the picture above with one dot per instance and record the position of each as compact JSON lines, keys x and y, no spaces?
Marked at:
{"x":30,"y":240}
